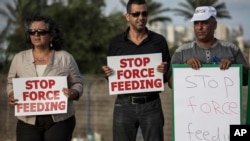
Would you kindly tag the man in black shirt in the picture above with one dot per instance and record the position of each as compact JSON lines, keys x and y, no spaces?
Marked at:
{"x":138,"y":109}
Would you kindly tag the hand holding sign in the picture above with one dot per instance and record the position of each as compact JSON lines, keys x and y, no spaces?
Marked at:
{"x":70,"y":93}
{"x":208,"y":96}
{"x":12,"y":100}
{"x":107,"y":70}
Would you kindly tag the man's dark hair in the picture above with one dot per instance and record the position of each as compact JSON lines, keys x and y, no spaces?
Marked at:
{"x":130,"y":2}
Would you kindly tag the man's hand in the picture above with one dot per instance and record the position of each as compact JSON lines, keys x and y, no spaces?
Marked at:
{"x":107,"y":70}
{"x":225,"y":64}
{"x":162,"y":67}
{"x":194,"y":63}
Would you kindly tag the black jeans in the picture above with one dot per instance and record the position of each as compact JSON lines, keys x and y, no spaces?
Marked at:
{"x":128,"y":117}
{"x":45,"y":129}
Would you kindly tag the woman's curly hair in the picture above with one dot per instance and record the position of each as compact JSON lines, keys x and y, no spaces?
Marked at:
{"x":54,"y":30}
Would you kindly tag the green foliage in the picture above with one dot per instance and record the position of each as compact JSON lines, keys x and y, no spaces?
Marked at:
{"x":86,"y":30}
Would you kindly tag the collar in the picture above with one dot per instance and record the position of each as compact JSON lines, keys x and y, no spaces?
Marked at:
{"x":126,"y":33}
{"x":212,"y":46}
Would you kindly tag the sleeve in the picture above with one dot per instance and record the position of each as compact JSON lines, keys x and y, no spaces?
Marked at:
{"x":166,"y":58}
{"x":11,"y":74}
{"x":75,"y":79}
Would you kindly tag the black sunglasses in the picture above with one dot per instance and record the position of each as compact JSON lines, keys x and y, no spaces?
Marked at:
{"x":38,"y":31}
{"x":137,"y":14}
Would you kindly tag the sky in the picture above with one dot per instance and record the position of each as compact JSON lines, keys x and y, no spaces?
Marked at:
{"x":238,"y":9}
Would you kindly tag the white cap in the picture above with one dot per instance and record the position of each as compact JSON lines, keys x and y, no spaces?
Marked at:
{"x":203,"y":13}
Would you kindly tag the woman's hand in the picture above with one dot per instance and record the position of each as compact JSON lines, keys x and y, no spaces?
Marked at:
{"x":12,"y":100}
{"x":70,"y":93}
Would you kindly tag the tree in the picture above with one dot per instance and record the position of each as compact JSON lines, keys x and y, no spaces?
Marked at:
{"x":86,"y":30}
{"x":187,"y":9}
{"x":14,"y":31}
{"x":155,"y":9}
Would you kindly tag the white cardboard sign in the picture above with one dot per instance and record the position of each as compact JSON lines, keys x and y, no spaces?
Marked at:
{"x":40,"y":95}
{"x":135,"y":73}
{"x":206,"y":102}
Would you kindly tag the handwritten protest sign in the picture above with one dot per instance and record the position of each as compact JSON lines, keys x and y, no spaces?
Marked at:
{"x":135,"y":73}
{"x":40,"y":95}
{"x":205,"y":102}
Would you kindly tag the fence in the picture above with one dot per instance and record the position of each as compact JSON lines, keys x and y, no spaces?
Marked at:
{"x":94,"y":112}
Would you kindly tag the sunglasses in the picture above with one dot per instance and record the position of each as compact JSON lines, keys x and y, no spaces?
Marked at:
{"x":137,"y":14}
{"x":40,"y":32}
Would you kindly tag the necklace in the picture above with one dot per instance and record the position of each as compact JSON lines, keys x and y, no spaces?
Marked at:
{"x":40,"y":59}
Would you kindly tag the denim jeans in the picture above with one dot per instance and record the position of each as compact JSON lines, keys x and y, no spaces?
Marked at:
{"x":128,"y":117}
{"x":45,"y":129}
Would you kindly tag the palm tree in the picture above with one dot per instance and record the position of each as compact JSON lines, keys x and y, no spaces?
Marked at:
{"x":15,"y":15}
{"x":188,"y":8}
{"x":155,"y":10}
{"x":13,"y":32}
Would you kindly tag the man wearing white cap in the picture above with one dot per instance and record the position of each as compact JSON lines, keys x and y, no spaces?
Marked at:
{"x":206,"y":49}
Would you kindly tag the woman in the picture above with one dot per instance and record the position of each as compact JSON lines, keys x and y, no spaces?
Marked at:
{"x":45,"y":58}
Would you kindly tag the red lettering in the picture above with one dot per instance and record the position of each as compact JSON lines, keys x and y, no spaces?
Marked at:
{"x":135,"y":73}
{"x":25,"y":95}
{"x":119,"y":74}
{"x":123,"y":63}
{"x":136,"y":85}
{"x":33,"y":95}
{"x":56,"y":95}
{"x":113,"y":86}
{"x":146,"y":60}
{"x":35,"y":84}
{"x":41,"y":95}
{"x":51,"y":83}
{"x":151,"y":72}
{"x":138,"y":62}
{"x":28,"y":85}
{"x":131,"y":62}
{"x":25,"y":107}
{"x":19,"y":107}
{"x":214,"y":107}
{"x":231,"y":106}
{"x":43,"y":84}
{"x":32,"y":107}
{"x":40,"y":107}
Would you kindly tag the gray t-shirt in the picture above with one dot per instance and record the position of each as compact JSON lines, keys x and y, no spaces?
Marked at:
{"x":221,"y":49}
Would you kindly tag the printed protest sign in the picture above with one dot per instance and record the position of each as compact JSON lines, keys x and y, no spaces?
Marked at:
{"x":135,"y":73}
{"x":40,"y":95}
{"x":205,"y":102}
